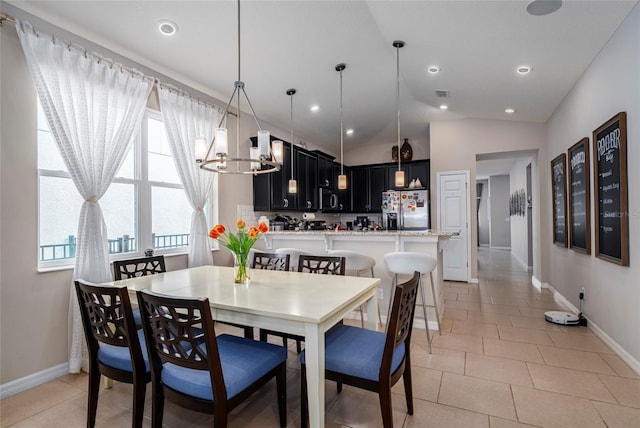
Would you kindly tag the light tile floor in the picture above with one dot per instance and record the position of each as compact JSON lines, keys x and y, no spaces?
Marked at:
{"x":496,"y":364}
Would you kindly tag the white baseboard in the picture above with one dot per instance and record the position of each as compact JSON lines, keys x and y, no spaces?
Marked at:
{"x":619,"y":350}
{"x":473,"y":281}
{"x":536,"y":282}
{"x":35,"y":379}
{"x":495,"y":247}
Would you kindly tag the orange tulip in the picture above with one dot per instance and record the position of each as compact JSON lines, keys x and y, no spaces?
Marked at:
{"x":240,"y":224}
{"x":262,"y":227}
{"x":213,"y":234}
{"x":253,"y":232}
{"x":219,"y":229}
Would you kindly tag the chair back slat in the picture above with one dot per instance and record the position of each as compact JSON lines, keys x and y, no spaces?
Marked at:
{"x":176,"y":328}
{"x":400,"y":321}
{"x":327,"y":265}
{"x":133,"y":268}
{"x":104,"y":310}
{"x":271,"y":261}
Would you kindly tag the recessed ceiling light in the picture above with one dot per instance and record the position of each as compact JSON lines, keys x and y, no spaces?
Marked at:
{"x":433,"y":69}
{"x":314,"y":108}
{"x":543,"y":7}
{"x":509,"y":110}
{"x":168,"y":28}
{"x":524,"y":69}
{"x":349,"y":132}
{"x":443,"y":106}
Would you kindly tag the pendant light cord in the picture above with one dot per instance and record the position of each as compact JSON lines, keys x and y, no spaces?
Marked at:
{"x":398,"y":45}
{"x":291,"y":95}
{"x":341,"y":131}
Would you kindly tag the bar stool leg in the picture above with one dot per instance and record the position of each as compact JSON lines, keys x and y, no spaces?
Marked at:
{"x":435,"y":302}
{"x":361,"y":308}
{"x":379,"y":315}
{"x":424,"y":311}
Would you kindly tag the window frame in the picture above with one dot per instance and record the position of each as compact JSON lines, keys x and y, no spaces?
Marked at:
{"x":143,"y":188}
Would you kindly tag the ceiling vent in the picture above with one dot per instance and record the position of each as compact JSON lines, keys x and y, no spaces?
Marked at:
{"x":442,"y":94}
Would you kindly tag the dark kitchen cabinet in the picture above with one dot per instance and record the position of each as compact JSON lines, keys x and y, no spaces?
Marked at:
{"x":367,"y":185}
{"x":325,"y":171}
{"x":412,"y":170}
{"x":270,"y":190}
{"x":306,"y":172}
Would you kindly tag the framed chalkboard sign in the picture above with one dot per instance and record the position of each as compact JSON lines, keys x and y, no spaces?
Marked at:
{"x":579,"y":197}
{"x":610,"y":185}
{"x":559,"y":197}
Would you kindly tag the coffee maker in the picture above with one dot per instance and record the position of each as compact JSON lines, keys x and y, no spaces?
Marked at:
{"x":392,"y":221}
{"x":363,"y":221}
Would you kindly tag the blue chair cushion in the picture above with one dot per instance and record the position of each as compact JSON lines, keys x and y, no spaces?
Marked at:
{"x":243,"y":362}
{"x":137,"y":318}
{"x":356,"y":352}
{"x":119,"y":357}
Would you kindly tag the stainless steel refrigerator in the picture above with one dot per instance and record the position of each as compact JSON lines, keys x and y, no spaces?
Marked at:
{"x":406,"y":209}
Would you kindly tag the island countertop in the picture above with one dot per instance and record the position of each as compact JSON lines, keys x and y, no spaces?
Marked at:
{"x":381,"y":233}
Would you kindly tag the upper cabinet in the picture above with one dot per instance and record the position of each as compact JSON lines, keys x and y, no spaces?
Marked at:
{"x":325,"y":171}
{"x":413,"y":170}
{"x":270,"y":191}
{"x":306,"y":172}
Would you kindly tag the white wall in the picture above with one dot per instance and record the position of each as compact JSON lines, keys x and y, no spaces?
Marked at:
{"x":611,"y":84}
{"x":455,"y":145}
{"x":500,"y":234}
{"x":519,"y":233}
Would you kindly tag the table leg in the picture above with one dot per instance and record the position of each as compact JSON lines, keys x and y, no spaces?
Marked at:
{"x":314,"y":350}
{"x":372,"y":313}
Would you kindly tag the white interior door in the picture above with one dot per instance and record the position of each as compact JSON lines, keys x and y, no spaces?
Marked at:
{"x":453,"y":216}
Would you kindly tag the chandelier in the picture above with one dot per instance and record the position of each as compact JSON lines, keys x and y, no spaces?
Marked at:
{"x":263,"y":159}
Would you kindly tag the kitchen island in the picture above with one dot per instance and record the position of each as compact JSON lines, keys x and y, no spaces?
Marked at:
{"x":375,"y":244}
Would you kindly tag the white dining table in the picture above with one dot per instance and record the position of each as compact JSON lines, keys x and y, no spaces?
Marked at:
{"x":304,"y":304}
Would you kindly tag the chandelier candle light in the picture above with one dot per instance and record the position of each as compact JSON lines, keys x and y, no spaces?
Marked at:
{"x":240,"y":245}
{"x":263,"y":159}
{"x":399,"y":177}
{"x":342,"y":179}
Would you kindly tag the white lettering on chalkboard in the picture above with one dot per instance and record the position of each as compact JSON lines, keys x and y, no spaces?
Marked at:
{"x":608,"y":143}
{"x":577,"y":159}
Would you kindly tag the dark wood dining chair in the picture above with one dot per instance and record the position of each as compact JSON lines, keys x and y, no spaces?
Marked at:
{"x":194,"y":369}
{"x":133,"y":268}
{"x":116,"y":349}
{"x":271,"y":261}
{"x":369,"y":359}
{"x":326,"y":265}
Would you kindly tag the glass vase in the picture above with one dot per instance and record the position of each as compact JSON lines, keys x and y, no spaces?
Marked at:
{"x":241,"y":269}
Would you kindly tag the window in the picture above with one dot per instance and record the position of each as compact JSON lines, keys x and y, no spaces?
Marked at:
{"x":145,"y":206}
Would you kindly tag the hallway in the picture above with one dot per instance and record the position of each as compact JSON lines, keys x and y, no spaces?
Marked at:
{"x":497,"y":364}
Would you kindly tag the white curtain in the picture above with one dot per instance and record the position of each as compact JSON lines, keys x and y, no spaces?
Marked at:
{"x":93,"y":108}
{"x":185,"y":120}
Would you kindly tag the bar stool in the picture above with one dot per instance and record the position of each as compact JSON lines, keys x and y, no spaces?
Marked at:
{"x":294,"y":254}
{"x":406,"y":263}
{"x":358,"y":262}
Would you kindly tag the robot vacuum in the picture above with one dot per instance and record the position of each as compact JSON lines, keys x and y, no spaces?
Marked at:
{"x":563,"y":318}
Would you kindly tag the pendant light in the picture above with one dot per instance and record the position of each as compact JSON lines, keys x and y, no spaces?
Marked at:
{"x":293,"y":184}
{"x":342,"y":179}
{"x":216,"y":158}
{"x":399,"y":177}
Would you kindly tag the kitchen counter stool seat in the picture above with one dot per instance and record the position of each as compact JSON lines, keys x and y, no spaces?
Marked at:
{"x":408,"y":262}
{"x":359,"y":263}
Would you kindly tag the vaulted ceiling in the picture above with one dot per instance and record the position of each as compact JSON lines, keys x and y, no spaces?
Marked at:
{"x":296,"y":44}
